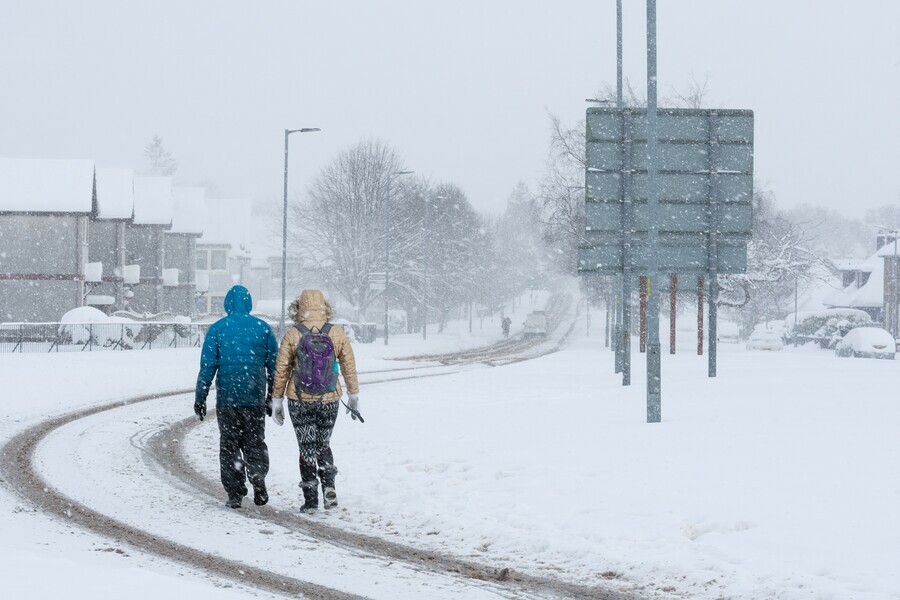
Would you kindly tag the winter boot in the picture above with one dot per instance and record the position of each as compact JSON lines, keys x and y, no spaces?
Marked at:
{"x":260,"y":494}
{"x":329,"y":497}
{"x":326,"y":476}
{"x":234,"y":501}
{"x":310,"y":496}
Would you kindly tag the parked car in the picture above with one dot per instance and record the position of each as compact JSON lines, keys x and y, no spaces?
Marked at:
{"x":867,"y":342}
{"x":536,"y":324}
{"x":765,"y":339}
{"x":728,"y":332}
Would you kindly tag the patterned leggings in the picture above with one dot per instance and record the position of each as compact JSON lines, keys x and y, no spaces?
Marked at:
{"x":313,"y":423}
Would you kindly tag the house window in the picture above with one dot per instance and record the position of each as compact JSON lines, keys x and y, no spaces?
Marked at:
{"x":217,"y":260}
{"x":202,"y":260}
{"x":293,"y":271}
{"x":216,"y":305}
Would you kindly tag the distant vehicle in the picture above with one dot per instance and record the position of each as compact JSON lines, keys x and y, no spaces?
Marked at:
{"x":774,"y":325}
{"x":867,"y":342}
{"x":765,"y":339}
{"x":728,"y":332}
{"x":536,"y":324}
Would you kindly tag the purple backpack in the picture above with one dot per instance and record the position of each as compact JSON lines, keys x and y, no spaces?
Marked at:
{"x":316,"y":372}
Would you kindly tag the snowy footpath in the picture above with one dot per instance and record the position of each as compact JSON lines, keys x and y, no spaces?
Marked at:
{"x":778,"y":479}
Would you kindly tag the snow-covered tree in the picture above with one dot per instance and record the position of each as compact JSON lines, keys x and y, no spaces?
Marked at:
{"x":520,"y":253}
{"x":340,"y":228}
{"x":162,"y":162}
{"x":778,"y":259}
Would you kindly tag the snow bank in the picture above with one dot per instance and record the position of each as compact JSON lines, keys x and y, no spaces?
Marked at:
{"x":87,"y":324}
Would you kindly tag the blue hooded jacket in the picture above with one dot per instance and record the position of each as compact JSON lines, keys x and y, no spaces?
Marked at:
{"x":239,"y":352}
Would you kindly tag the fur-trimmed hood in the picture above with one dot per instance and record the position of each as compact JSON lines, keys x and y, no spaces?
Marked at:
{"x":311,"y":307}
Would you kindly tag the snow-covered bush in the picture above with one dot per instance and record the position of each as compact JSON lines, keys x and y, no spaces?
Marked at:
{"x":827,"y":327}
{"x":88,"y":325}
{"x":348,"y":329}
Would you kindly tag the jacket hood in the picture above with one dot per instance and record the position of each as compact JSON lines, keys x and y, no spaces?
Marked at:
{"x":311,"y":306}
{"x":238,"y":301}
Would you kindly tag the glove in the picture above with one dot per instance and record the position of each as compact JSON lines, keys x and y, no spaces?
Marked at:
{"x":269,"y":406}
{"x":278,"y":411}
{"x":353,"y":405}
{"x":200,"y":408}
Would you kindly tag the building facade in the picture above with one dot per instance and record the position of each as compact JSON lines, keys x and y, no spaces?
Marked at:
{"x":179,"y":290}
{"x":145,"y":243}
{"x":106,"y":240}
{"x":45,"y":209}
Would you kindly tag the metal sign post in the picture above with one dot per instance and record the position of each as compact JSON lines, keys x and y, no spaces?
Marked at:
{"x":699,"y":223}
{"x":654,"y":375}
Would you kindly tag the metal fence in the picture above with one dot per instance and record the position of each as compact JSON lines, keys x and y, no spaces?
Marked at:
{"x":91,"y":337}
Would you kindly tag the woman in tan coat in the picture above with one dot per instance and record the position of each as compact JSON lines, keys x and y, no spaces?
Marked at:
{"x":313,"y":414}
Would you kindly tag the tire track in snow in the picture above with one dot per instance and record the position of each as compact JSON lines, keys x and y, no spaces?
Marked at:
{"x":18,"y":469}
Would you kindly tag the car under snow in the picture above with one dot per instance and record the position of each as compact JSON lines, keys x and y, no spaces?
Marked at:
{"x":765,"y":339}
{"x":867,"y":342}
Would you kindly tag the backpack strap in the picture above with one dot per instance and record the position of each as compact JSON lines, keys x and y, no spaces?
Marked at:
{"x":303,"y":329}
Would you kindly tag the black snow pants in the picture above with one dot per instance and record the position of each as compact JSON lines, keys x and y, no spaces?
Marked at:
{"x":242,"y":447}
{"x":313,"y":423}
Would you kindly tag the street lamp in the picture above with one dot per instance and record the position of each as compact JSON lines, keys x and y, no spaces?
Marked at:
{"x":287,"y":133}
{"x":387,"y":245}
{"x":426,"y":262}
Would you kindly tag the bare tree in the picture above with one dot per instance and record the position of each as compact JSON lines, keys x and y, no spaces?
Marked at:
{"x":449,"y":245}
{"x":342,"y":224}
{"x":561,"y":193}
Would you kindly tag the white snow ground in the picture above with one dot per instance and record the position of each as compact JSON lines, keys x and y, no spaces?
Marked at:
{"x":777,"y":479}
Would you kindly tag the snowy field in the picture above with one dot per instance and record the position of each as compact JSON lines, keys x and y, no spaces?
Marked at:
{"x":778,"y":479}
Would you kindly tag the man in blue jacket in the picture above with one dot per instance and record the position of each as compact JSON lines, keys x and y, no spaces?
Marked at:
{"x":239,"y":352}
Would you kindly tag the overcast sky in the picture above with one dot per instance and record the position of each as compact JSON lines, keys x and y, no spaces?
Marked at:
{"x":460,"y":88}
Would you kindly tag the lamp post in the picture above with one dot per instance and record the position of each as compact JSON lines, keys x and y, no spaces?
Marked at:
{"x":287,"y":133}
{"x":387,"y":246}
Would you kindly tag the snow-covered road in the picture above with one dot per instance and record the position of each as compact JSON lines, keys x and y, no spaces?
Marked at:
{"x":782,"y":485}
{"x":102,"y":461}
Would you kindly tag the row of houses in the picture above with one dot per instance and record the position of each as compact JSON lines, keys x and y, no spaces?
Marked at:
{"x":73,"y":234}
{"x":873,"y":284}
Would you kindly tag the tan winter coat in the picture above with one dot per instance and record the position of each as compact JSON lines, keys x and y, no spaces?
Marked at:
{"x":311,"y":310}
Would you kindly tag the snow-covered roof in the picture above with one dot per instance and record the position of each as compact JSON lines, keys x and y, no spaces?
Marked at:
{"x":888,"y":249}
{"x":46,"y":185}
{"x":153,"y":201}
{"x":849,"y":264}
{"x":115,"y":193}
{"x":870,"y":295}
{"x":226,"y":222}
{"x":189,"y":215}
